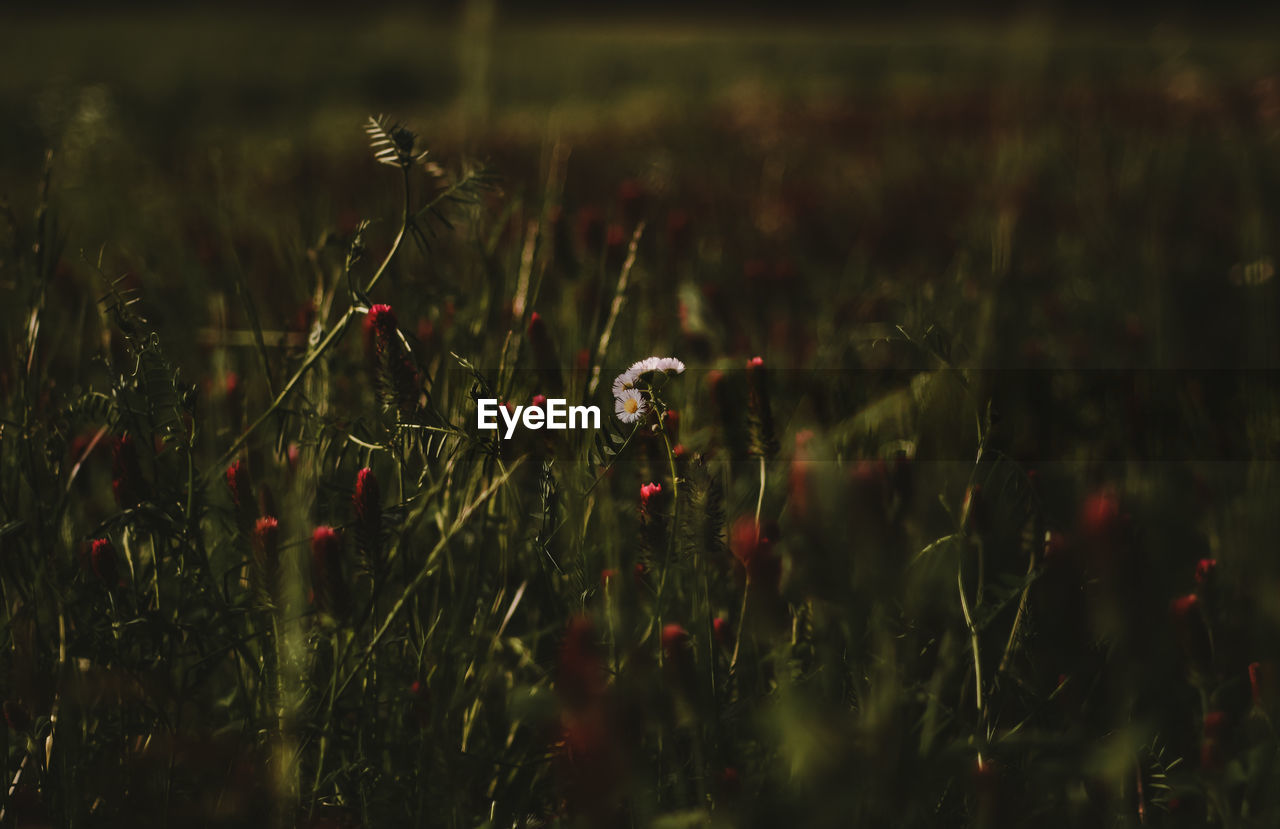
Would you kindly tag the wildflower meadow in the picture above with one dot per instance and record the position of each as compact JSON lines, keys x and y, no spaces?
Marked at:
{"x":471,"y":422}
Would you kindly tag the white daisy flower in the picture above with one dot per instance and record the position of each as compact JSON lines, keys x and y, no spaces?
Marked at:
{"x":667,"y":364}
{"x":629,"y":406}
{"x":625,"y":380}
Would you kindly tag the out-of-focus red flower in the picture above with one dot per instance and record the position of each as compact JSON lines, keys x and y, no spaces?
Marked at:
{"x":674,"y":639}
{"x":240,"y":485}
{"x":367,"y":503}
{"x":647,"y":493}
{"x":329,"y":591}
{"x":591,"y":234}
{"x":581,"y":678}
{"x":1191,"y":631}
{"x":730,"y":781}
{"x":1214,"y":743}
{"x":722,"y":631}
{"x":104,"y":561}
{"x":126,"y":472}
{"x":671,"y":424}
{"x":615,"y":246}
{"x":754,"y":550}
{"x":1100,"y":518}
{"x":1205,"y":569}
{"x":632,"y":199}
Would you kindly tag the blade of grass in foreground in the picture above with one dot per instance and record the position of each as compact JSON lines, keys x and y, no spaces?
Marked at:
{"x":427,"y":567}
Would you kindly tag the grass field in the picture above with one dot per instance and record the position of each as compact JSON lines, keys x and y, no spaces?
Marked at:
{"x":960,"y":513}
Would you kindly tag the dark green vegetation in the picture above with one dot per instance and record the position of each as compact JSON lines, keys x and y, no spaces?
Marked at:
{"x":1015,"y":424}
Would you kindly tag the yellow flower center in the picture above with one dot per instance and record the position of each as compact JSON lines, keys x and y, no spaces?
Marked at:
{"x":631,"y":405}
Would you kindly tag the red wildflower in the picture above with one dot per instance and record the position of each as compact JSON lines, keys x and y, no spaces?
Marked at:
{"x":581,"y":679}
{"x":104,"y":561}
{"x":394,"y":375}
{"x":632,"y":198}
{"x":755,"y":551}
{"x":1191,"y":631}
{"x":671,"y":424}
{"x":1100,"y":518}
{"x":1261,"y":681}
{"x":722,"y":631}
{"x":1205,"y":568}
{"x":266,"y":551}
{"x":328,"y":589}
{"x":730,"y":782}
{"x":240,"y":485}
{"x":675,"y":640}
{"x":367,"y":501}
{"x":1214,"y":741}
{"x":615,"y":246}
{"x":759,"y":410}
{"x":591,"y":229}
